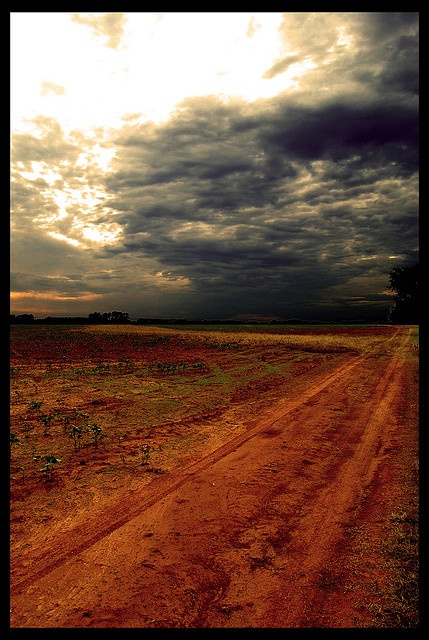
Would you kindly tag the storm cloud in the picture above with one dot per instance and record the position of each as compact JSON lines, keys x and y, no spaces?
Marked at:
{"x":296,"y":205}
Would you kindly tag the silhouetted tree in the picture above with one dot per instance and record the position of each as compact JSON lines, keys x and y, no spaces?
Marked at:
{"x":24,"y":318}
{"x":120,"y":317}
{"x":95,"y":318}
{"x":406,"y":283}
{"x":116,"y":317}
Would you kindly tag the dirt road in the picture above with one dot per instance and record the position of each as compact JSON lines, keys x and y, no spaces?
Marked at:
{"x":254,"y":533}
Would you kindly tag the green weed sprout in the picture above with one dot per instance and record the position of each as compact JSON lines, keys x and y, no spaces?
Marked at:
{"x":97,"y":432}
{"x":76,"y":434}
{"x":50,"y":461}
{"x":145,"y":451}
{"x":35,"y":405}
{"x":13,"y":438}
{"x":47,"y":419}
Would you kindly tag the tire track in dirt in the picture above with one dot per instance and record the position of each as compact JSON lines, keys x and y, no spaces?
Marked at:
{"x":322,"y":527}
{"x":86,"y":535}
{"x":314,"y":508}
{"x":83,"y":537}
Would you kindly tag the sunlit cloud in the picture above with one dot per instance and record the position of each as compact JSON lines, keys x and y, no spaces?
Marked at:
{"x":213,"y":164}
{"x":60,"y":236}
{"x":108,"y":25}
{"x":101,"y":234}
{"x":51,"y":87}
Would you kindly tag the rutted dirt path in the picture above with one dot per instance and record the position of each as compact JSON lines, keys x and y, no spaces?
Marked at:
{"x":241,"y":537}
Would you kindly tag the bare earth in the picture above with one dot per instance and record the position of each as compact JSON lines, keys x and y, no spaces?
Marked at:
{"x":273,"y":519}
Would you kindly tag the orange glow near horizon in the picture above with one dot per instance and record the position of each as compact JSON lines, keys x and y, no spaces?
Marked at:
{"x":22,"y":300}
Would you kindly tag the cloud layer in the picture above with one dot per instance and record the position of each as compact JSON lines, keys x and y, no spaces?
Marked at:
{"x":297,"y":205}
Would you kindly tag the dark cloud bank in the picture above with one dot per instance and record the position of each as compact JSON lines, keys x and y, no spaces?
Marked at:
{"x":293,"y":206}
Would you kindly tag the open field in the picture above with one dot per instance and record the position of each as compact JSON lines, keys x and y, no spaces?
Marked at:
{"x":214,"y":477}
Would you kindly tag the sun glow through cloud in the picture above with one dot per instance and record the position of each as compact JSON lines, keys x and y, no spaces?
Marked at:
{"x":212,"y":163}
{"x":96,"y":90}
{"x":164,"y":59}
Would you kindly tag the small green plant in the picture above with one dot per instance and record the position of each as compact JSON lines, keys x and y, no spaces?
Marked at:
{"x":46,"y":419}
{"x":145,"y":453}
{"x":13,"y":438}
{"x":27,"y":426}
{"x":81,"y":416}
{"x":35,"y":405}
{"x":79,"y":426}
{"x":76,"y":434}
{"x":50,"y":461}
{"x":97,"y":433}
{"x":66,"y":418}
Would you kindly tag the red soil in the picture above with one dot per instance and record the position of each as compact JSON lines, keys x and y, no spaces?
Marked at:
{"x":256,"y":525}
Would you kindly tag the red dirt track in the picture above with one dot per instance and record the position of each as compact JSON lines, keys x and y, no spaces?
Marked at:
{"x":253,"y":529}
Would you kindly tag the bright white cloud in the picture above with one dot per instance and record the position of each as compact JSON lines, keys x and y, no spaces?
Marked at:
{"x":61,"y":68}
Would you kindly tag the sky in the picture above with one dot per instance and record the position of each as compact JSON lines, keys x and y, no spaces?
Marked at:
{"x":212,"y":165}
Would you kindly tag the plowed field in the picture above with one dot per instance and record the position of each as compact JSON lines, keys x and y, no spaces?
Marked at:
{"x":209,"y":479}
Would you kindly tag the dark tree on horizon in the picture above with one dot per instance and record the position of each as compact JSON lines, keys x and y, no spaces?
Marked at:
{"x":406,"y":283}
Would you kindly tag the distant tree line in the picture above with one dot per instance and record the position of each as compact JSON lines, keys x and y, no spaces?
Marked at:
{"x":404,"y":281}
{"x":250,"y":321}
{"x":110,"y":317}
{"x":119,"y":317}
